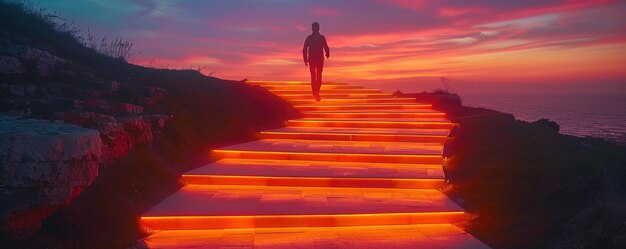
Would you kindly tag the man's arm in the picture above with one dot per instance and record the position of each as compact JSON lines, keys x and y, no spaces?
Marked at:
{"x":305,"y":50}
{"x":326,"y":49}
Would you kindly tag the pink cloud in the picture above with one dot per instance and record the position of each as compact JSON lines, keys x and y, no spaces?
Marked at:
{"x":419,"y":39}
{"x":451,"y":11}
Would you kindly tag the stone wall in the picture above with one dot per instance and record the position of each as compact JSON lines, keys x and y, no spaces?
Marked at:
{"x":43,"y":166}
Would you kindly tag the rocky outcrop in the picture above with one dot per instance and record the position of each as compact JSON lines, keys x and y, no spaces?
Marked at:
{"x":436,"y":97}
{"x":15,"y":58}
{"x":119,"y":134}
{"x":43,"y":166}
{"x":47,"y":164}
{"x":547,"y":125}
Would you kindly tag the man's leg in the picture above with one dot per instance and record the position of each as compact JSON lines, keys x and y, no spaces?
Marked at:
{"x":320,"y":68}
{"x":313,"y":75}
{"x":315,"y":81}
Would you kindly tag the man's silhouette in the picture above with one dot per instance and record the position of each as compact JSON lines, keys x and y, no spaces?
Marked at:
{"x":313,"y":53}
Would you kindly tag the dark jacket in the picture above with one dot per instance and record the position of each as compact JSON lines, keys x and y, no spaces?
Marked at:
{"x":315,"y":44}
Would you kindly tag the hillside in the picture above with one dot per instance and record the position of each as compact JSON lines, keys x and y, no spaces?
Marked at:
{"x":117,"y":134}
{"x":527,"y":185}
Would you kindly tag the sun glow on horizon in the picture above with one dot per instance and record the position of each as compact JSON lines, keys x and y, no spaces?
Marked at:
{"x":500,"y":42}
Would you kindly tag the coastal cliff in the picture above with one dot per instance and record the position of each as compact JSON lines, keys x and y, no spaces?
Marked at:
{"x":529,"y":186}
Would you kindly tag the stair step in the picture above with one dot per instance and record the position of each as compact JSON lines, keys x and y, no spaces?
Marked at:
{"x":307,"y":83}
{"x":372,"y":123}
{"x":308,"y":87}
{"x":316,"y":174}
{"x":347,"y":130}
{"x":339,"y":151}
{"x":382,"y":110}
{"x":407,"y":120}
{"x":374,"y":114}
{"x":308,"y":91}
{"x":235,"y":206}
{"x":352,"y":100}
{"x":357,"y":134}
{"x":362,"y":168}
{"x":364,"y":107}
{"x":389,"y":237}
{"x":308,"y":95}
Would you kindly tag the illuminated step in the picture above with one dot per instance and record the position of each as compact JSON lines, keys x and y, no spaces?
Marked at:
{"x":334,"y":157}
{"x":308,"y":91}
{"x":347,"y":130}
{"x":361,"y":170}
{"x":372,"y":123}
{"x":338,"y":151}
{"x":358,"y":134}
{"x":388,"y":237}
{"x":316,"y":174}
{"x":365,"y":107}
{"x":380,"y":119}
{"x":253,"y":82}
{"x":235,"y":206}
{"x":375,"y":114}
{"x":308,"y":95}
{"x":429,"y":110}
{"x":308,"y":88}
{"x":349,"y":100}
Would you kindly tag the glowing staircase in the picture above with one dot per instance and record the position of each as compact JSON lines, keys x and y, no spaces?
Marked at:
{"x":361,"y":169}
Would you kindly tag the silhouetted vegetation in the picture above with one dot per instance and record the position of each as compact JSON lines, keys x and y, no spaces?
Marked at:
{"x":66,"y":29}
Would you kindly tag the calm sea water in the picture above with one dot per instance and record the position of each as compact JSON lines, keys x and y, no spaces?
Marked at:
{"x":597,"y":116}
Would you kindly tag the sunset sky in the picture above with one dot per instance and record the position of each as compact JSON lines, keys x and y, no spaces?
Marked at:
{"x":482,"y":46}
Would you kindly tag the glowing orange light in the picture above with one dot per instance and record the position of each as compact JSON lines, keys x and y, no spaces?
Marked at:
{"x":361,"y":163}
{"x":151,"y":223}
{"x":369,"y":124}
{"x":308,"y":91}
{"x":338,"y":157}
{"x":370,"y":114}
{"x":352,"y":137}
{"x":334,"y":107}
{"x":308,"y":87}
{"x":288,"y":83}
{"x":307,"y":163}
{"x":313,"y":181}
{"x":353,"y":100}
{"x":407,"y":236}
{"x":307,"y":95}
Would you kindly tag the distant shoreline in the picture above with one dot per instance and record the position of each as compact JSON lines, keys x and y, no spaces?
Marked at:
{"x":582,"y":116}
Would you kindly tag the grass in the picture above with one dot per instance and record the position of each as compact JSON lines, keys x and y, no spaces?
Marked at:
{"x":30,"y":19}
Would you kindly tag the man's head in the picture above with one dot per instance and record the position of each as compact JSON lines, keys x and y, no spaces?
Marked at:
{"x":315,"y":27}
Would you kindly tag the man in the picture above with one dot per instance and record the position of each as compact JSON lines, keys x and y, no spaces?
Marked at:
{"x":314,"y":46}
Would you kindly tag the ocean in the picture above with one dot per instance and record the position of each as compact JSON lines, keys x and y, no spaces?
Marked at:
{"x":596,"y":116}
